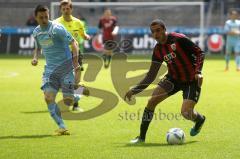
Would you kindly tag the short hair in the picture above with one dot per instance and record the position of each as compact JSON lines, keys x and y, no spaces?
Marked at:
{"x":158,"y":22}
{"x":40,"y":8}
{"x":65,"y":2}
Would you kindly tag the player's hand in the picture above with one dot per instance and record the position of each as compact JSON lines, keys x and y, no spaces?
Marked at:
{"x":87,"y":37}
{"x":114,"y":34}
{"x":34,"y":62}
{"x":128,"y":95}
{"x":199,"y":79}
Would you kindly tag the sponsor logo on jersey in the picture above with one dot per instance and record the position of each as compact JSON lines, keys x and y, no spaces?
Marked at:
{"x":169,"y":57}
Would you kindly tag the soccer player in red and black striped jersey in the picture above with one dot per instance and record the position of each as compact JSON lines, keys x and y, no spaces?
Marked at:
{"x":109,"y":28}
{"x":184,"y":60}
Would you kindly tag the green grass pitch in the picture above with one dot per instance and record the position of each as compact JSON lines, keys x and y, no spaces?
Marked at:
{"x":26,"y":127}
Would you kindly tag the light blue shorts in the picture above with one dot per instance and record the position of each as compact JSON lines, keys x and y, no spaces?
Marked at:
{"x":233,"y":47}
{"x":52,"y":83}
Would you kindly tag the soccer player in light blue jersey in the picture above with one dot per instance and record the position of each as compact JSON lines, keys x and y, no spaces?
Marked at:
{"x":232,"y":28}
{"x":53,"y":40}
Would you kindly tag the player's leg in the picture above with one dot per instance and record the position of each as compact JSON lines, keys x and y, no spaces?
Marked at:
{"x":69,"y":98}
{"x":164,"y":90}
{"x":238,"y":61}
{"x":49,"y":96}
{"x":191,"y":94}
{"x":109,"y":57}
{"x":104,"y":56}
{"x":77,"y":97}
{"x":76,"y":106}
{"x":108,"y":51}
{"x":237,"y":56}
{"x":80,"y":55}
{"x":228,"y":52}
{"x":158,"y":95}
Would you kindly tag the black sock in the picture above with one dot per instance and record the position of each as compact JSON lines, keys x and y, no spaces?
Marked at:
{"x":146,"y":119}
{"x":109,"y":58}
{"x":104,"y":58}
{"x":198,"y":118}
{"x":75,"y":104}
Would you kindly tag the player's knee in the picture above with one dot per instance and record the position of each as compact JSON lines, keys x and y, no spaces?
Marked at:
{"x":152,"y":103}
{"x":68,"y":101}
{"x":49,"y":99}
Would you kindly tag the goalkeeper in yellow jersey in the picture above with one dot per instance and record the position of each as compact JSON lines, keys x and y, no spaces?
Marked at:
{"x":76,"y":28}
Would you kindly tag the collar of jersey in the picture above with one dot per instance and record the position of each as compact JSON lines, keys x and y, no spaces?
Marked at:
{"x":46,"y":28}
{"x":68,"y":21}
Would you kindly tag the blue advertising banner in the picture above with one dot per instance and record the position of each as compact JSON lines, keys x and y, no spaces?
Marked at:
{"x":130,"y":40}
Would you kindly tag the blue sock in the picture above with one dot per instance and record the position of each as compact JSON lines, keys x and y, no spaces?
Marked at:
{"x":54,"y":111}
{"x":76,"y":98}
{"x":227,"y":59}
{"x":57,"y":110}
{"x":238,"y":61}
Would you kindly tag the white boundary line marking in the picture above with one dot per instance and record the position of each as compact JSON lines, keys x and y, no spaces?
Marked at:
{"x":8,"y":74}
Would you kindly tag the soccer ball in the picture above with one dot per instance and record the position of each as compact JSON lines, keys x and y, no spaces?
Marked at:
{"x":175,"y":136}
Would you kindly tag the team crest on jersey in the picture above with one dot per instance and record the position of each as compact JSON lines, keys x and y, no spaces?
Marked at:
{"x":173,"y":46}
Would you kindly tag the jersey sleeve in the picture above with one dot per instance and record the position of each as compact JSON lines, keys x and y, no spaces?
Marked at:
{"x":114,"y":22}
{"x":195,"y":51}
{"x":100,"y":24}
{"x":82,"y":30}
{"x":36,"y":42}
{"x":226,"y":27}
{"x":63,"y":34}
{"x":37,"y":45}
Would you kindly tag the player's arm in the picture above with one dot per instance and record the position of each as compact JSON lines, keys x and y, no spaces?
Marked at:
{"x":76,"y":65}
{"x":100,"y":27}
{"x":115,"y":29}
{"x":148,"y":79}
{"x":86,"y":36}
{"x":199,"y":54}
{"x":83,"y":33}
{"x":36,"y":53}
{"x":99,"y":33}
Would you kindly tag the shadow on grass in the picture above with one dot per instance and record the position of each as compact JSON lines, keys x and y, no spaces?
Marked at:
{"x":36,"y":112}
{"x":152,"y":144}
{"x":25,"y":137}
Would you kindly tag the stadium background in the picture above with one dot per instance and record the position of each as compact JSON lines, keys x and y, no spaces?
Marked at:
{"x":16,"y":36}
